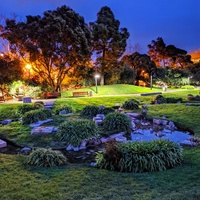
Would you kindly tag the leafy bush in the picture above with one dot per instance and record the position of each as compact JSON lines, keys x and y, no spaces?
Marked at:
{"x":160,"y":99}
{"x":90,"y":111}
{"x":190,"y":97}
{"x":140,"y":157}
{"x":46,"y":158}
{"x":22,"y":109}
{"x":116,"y":121}
{"x":131,"y":104}
{"x":187,"y":87}
{"x":73,"y":132}
{"x":35,"y":115}
{"x":67,"y":108}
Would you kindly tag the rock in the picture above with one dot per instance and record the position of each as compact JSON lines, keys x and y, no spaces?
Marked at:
{"x":76,"y":148}
{"x":7,"y":121}
{"x":26,"y":149}
{"x":3,"y":144}
{"x":156,"y":121}
{"x":42,"y":130}
{"x":99,"y":122}
{"x":116,"y":135}
{"x":121,"y":139}
{"x":69,"y":148}
{"x":62,"y":112}
{"x":102,"y":116}
{"x":96,"y":118}
{"x":188,"y":143}
{"x":92,"y":164}
{"x":133,"y":126}
{"x":160,"y":134}
{"x":83,"y":144}
{"x":171,"y":125}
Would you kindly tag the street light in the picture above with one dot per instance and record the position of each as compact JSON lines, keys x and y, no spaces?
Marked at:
{"x":96,"y":76}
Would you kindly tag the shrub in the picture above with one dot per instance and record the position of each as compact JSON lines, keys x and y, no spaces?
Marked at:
{"x":90,"y":111}
{"x":67,"y":108}
{"x":173,"y":100}
{"x":160,"y":99}
{"x":46,"y":158}
{"x":131,"y":104}
{"x":22,"y":109}
{"x":187,"y":87}
{"x":105,"y":111}
{"x":140,"y":157}
{"x":116,"y":121}
{"x":35,"y":115}
{"x":73,"y":132}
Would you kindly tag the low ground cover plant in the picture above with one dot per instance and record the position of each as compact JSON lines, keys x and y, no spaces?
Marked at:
{"x":157,"y":155}
{"x":42,"y":157}
{"x":73,"y":132}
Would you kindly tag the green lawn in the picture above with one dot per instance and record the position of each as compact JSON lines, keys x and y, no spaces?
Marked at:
{"x":82,"y":182}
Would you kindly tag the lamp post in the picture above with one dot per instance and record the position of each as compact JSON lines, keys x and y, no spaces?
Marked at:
{"x":96,"y":76}
{"x":151,"y":81}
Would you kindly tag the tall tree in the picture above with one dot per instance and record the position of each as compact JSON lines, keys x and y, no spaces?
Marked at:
{"x":109,"y":41}
{"x":168,"y":55}
{"x":53,"y":43}
{"x":142,"y":64}
{"x":10,"y":70}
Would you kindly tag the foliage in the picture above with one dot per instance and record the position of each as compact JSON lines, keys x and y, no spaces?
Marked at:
{"x":23,"y":108}
{"x":160,"y":99}
{"x":187,"y":87}
{"x":109,"y":41}
{"x":46,"y":158}
{"x":105,"y":110}
{"x":56,"y":42}
{"x":67,"y":108}
{"x":142,"y":64}
{"x":11,"y":69}
{"x":35,"y":115}
{"x":116,"y":121}
{"x":38,"y":104}
{"x":168,"y":55}
{"x":127,"y":76}
{"x":131,"y":104}
{"x":73,"y":132}
{"x":140,"y":157}
{"x":90,"y":111}
{"x":21,"y":88}
{"x":191,"y":97}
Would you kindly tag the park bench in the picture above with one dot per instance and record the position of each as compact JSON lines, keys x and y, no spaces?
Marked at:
{"x":2,"y":98}
{"x":48,"y":95}
{"x":80,"y":94}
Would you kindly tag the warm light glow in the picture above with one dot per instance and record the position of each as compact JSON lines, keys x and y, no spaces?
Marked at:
{"x":96,"y":75}
{"x":28,"y":66}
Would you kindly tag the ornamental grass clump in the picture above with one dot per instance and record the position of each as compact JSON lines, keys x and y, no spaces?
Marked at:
{"x":131,"y":104}
{"x":42,"y":157}
{"x":90,"y":111}
{"x":22,"y":109}
{"x":73,"y":132}
{"x":67,"y":108}
{"x":36,"y":115}
{"x":141,"y":157}
{"x":116,"y":122}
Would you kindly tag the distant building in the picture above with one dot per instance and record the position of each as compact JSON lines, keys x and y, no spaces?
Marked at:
{"x":195,"y":57}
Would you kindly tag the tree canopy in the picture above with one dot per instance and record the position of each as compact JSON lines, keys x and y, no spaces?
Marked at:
{"x":109,"y":41}
{"x":168,"y":55}
{"x":52,"y":44}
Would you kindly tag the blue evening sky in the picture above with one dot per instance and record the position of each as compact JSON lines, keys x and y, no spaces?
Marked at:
{"x":176,"y":21}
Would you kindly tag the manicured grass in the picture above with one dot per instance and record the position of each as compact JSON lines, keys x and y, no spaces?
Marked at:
{"x":80,"y":181}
